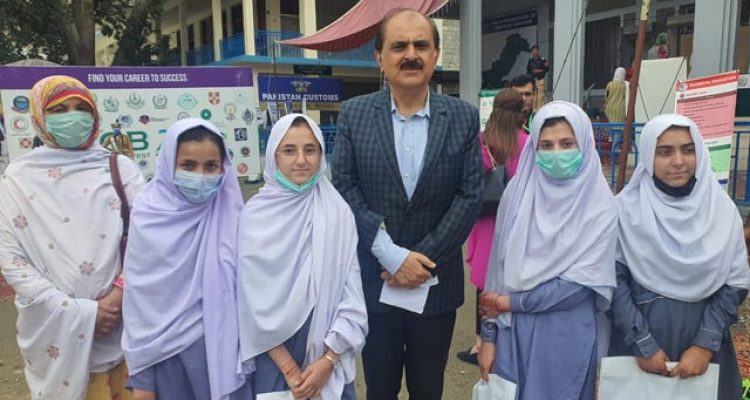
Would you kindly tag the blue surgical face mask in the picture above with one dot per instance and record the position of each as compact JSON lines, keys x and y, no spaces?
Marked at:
{"x":197,"y":188}
{"x":559,"y":164}
{"x":70,"y":129}
{"x":301,"y":188}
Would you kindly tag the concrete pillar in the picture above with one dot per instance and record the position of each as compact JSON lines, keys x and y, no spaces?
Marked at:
{"x":248,"y":25}
{"x":183,"y":31}
{"x":308,"y":24}
{"x":216,"y":22}
{"x":470,"y":72}
{"x":273,"y":15}
{"x":715,"y":23}
{"x":568,"y":74}
{"x":542,"y":37}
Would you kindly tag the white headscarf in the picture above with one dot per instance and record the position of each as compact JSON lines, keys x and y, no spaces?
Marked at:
{"x":682,"y":248}
{"x":550,"y":228}
{"x":619,"y":74}
{"x":298,"y":254}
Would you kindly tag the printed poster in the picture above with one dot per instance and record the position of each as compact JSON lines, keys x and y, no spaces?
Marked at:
{"x":486,"y":99}
{"x":146,"y":101}
{"x":710,"y":101}
{"x":506,"y":46}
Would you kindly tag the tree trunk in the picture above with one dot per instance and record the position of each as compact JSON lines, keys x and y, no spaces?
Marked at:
{"x":81,"y":33}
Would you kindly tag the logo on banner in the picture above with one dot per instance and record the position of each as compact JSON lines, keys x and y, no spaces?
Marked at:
{"x":248,"y":116}
{"x":182,"y":115}
{"x":125,"y":120}
{"x":187,"y":101}
{"x":111,"y":104}
{"x":19,"y":123}
{"x":206,"y":114}
{"x":25,"y":143}
{"x":135,"y":101}
{"x":240,"y":134}
{"x":242,"y":168}
{"x":214,"y":98}
{"x":21,"y":104}
{"x":245,"y":151}
{"x":301,"y":86}
{"x":230,"y":109}
{"x":160,"y":101}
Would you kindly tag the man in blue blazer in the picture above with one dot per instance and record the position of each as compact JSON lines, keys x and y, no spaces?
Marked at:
{"x":407,"y":160}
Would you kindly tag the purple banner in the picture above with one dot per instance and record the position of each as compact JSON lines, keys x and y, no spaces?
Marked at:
{"x":132,"y":77}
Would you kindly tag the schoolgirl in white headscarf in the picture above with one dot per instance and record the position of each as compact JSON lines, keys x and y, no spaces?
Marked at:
{"x":682,"y":267}
{"x":301,"y":307}
{"x":551,"y":269}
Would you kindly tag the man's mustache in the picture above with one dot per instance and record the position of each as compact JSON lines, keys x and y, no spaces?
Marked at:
{"x":412,"y":64}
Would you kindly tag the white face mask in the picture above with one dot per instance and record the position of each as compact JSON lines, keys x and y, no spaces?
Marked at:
{"x":197,"y":188}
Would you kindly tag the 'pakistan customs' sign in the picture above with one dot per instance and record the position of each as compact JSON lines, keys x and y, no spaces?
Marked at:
{"x":146,"y":101}
{"x":318,"y":93}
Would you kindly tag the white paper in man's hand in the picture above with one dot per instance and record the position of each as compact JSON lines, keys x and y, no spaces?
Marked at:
{"x":409,"y":299}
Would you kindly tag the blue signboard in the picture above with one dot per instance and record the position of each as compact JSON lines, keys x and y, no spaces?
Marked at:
{"x":294,"y":88}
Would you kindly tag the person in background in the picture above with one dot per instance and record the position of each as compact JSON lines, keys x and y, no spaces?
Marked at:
{"x":302,"y":312}
{"x":614,"y":97}
{"x":524,"y":85}
{"x":502,"y":141}
{"x":682,"y":266}
{"x":60,"y":231}
{"x":181,"y":338}
{"x":551,"y":269}
{"x":537,"y":68}
{"x":660,"y":48}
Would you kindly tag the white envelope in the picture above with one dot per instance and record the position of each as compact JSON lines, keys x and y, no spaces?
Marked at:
{"x":409,"y":299}
{"x":496,"y":388}
{"x":620,"y":378}
{"x":275,"y":396}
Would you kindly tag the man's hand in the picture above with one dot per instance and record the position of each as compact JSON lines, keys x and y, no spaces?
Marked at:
{"x":693,"y":362}
{"x":414,"y":271}
{"x":486,"y":359}
{"x":656,"y":364}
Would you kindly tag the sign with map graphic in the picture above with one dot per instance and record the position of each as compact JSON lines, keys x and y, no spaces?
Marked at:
{"x":506,"y":47}
{"x":145,"y":101}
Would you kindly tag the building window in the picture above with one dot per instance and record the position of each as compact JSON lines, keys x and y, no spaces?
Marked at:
{"x":236,"y":16}
{"x":191,"y":37}
{"x":224,"y":25}
{"x":207,"y":31}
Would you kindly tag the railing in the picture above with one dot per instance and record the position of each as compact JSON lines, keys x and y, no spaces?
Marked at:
{"x":609,"y":141}
{"x":200,"y":55}
{"x":267,"y":44}
{"x":233,"y":46}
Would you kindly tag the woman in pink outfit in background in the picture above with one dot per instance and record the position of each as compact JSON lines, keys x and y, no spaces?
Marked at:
{"x":502,"y":141}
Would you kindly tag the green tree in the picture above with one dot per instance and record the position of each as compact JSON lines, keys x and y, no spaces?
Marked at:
{"x":64,"y":30}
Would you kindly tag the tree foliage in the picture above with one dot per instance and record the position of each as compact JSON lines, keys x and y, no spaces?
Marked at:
{"x":63,"y":31}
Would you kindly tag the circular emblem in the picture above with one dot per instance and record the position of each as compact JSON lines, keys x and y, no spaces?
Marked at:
{"x":21,"y":104}
{"x":245,"y":151}
{"x":182,"y":115}
{"x":125,"y":120}
{"x":242,"y":168}
{"x":206,"y":114}
{"x":19,"y":123}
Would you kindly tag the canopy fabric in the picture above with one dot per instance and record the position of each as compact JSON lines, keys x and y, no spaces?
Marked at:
{"x":359,"y":24}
